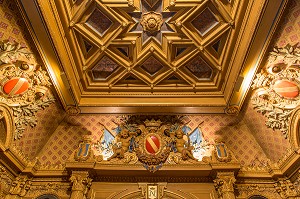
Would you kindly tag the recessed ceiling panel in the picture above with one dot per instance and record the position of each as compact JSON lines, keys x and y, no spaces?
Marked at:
{"x":199,"y":68}
{"x":104,"y":68}
{"x":151,"y":66}
{"x":146,"y":49}
{"x":205,"y":21}
{"x":99,"y":21}
{"x":217,"y":46}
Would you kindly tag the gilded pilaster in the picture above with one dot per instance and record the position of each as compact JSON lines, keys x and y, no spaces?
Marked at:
{"x":81,"y":183}
{"x":224,"y":184}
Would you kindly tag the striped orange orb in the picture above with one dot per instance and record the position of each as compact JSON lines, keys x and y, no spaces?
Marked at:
{"x":286,"y":89}
{"x":16,"y":86}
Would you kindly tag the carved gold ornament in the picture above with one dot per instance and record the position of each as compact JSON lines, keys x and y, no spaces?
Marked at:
{"x":24,"y":85}
{"x":277,"y":87}
{"x":232,"y":110}
{"x":152,"y":142}
{"x":151,"y":22}
{"x":222,"y":153}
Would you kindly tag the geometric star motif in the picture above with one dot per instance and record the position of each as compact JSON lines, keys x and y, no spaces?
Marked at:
{"x":150,"y":6}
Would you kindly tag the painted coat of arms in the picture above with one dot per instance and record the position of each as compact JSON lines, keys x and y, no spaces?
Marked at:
{"x":152,"y":142}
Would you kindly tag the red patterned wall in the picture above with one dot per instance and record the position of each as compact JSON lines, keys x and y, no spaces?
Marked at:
{"x":34,"y":139}
{"x":289,"y":30}
{"x":12,"y":27}
{"x":235,"y":133}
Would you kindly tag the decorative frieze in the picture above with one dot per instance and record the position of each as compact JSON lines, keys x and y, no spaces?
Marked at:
{"x":265,"y":190}
{"x":5,"y":182}
{"x":20,"y":186}
{"x":57,"y":188}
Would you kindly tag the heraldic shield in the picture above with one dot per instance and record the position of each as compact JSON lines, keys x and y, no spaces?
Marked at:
{"x":152,"y":143}
{"x":153,"y":148}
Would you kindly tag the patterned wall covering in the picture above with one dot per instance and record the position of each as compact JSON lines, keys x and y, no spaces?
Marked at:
{"x":34,"y":139}
{"x":234,"y":132}
{"x":289,"y":32}
{"x":56,"y":136}
{"x":272,"y":142}
{"x":67,"y":136}
{"x":12,"y":27}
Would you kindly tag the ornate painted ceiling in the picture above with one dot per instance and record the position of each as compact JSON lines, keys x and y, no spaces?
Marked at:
{"x":214,"y":126}
{"x":77,"y":68}
{"x":163,"y":56}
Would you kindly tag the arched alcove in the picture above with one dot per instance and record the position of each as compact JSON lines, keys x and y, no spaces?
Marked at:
{"x":294,"y":128}
{"x":6,"y":127}
{"x":47,"y":196}
{"x":257,"y":197}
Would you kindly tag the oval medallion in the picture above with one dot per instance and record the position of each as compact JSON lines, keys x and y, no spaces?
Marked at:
{"x":286,"y":88}
{"x":15,"y":86}
{"x":152,"y":144}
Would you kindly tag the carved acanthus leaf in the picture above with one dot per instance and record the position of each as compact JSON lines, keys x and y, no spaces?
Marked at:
{"x":277,"y":88}
{"x":24,"y":85}
{"x":10,"y":53}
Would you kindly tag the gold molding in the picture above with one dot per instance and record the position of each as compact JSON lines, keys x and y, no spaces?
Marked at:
{"x":67,"y":70}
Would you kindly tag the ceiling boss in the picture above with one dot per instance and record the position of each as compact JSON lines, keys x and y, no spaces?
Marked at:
{"x":151,"y":21}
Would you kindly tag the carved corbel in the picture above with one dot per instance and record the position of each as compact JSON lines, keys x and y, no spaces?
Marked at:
{"x":286,"y":189}
{"x":224,"y":185}
{"x":81,"y":183}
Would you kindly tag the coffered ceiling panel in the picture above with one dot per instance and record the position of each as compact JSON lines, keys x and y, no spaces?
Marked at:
{"x":120,"y":55}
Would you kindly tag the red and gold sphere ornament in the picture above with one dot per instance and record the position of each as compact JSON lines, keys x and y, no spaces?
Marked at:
{"x":15,"y":86}
{"x":152,"y":144}
{"x":286,"y":89}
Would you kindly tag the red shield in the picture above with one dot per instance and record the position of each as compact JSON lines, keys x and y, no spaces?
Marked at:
{"x":152,"y":144}
{"x":286,"y":88}
{"x":15,"y":86}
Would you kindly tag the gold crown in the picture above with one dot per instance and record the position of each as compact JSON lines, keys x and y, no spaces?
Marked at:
{"x":152,"y":123}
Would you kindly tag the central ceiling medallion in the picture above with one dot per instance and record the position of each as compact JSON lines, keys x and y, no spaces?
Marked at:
{"x":151,"y":22}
